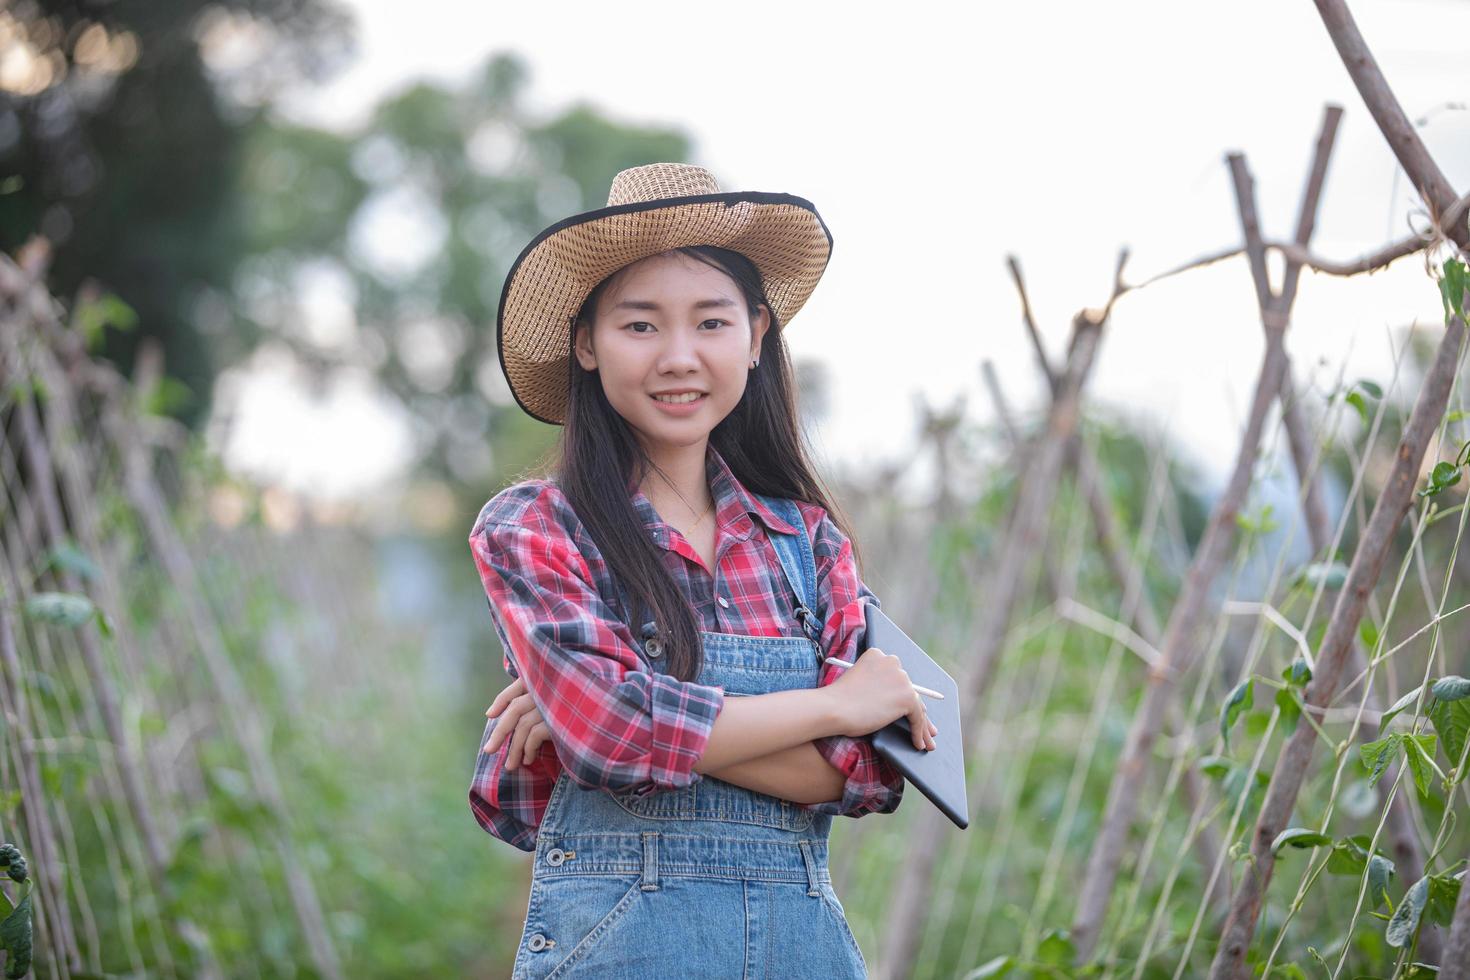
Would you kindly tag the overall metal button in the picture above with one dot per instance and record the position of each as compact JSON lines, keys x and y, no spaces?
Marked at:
{"x":724,"y":603}
{"x":655,"y":647}
{"x":555,"y":857}
{"x":537,"y":943}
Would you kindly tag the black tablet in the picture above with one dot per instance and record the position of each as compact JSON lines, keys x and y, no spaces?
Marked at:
{"x":939,"y":773}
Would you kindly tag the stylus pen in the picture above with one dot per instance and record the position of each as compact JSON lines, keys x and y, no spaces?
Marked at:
{"x":918,"y":687}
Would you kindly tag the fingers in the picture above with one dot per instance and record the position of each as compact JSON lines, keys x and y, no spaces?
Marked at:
{"x":514,"y":689}
{"x":539,"y":733}
{"x":513,"y":710}
{"x":518,"y":739}
{"x":920,"y":726}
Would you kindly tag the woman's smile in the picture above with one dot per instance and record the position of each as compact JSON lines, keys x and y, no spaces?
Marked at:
{"x":686,"y":404}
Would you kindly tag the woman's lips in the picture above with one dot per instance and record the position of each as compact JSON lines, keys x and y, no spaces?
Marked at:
{"x":680,"y":408}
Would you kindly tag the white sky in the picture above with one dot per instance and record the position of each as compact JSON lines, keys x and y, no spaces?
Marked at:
{"x":937,"y":138}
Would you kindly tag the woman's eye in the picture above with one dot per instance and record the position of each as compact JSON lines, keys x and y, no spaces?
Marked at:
{"x":717,"y":323}
{"x":640,"y":323}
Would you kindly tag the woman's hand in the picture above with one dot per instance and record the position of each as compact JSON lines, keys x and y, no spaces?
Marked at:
{"x":876,"y":690}
{"x":521,"y":721}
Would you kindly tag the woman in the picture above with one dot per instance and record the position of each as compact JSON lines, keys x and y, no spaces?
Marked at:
{"x":676,"y":781}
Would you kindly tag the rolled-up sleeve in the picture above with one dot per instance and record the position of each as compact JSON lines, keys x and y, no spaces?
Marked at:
{"x":614,"y":725}
{"x":873,"y":784}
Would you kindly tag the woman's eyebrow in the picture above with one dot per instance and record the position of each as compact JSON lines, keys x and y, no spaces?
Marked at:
{"x":643,"y":304}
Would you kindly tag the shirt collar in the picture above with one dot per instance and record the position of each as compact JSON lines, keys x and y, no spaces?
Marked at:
{"x":734,"y":505}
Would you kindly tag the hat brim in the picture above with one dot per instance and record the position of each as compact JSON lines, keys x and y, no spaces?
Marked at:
{"x":783,"y":235}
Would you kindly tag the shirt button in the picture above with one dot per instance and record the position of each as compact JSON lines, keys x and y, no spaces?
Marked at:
{"x":724,"y":603}
{"x":555,"y":857}
{"x":537,"y":943}
{"x":655,"y":647}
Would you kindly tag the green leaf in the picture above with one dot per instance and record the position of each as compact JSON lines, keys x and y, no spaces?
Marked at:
{"x":1380,"y":870}
{"x":1444,"y":473}
{"x":1349,"y":856}
{"x":1377,"y":755}
{"x":1259,"y":523}
{"x":1419,"y":754}
{"x":61,"y":608}
{"x":15,"y":937}
{"x":1298,"y":673}
{"x":1398,"y":706}
{"x":1452,"y":288}
{"x":1368,"y":633}
{"x":1356,"y":400}
{"x":68,"y":557}
{"x":1451,"y":720}
{"x":1215,"y":766}
{"x":997,"y":967}
{"x":1239,"y":700}
{"x":92,"y":317}
{"x":1405,"y":921}
{"x":1299,"y":837}
{"x":1055,"y":949}
{"x":1370,"y":387}
{"x":1291,"y":708}
{"x":1444,"y":891}
{"x":1451,"y":688}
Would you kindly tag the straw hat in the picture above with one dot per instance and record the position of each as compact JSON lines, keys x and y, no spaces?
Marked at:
{"x":650,"y":209}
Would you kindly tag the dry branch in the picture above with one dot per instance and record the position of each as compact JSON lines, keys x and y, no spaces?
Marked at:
{"x":1388,"y":512}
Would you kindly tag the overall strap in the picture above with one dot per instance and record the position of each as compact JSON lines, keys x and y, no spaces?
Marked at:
{"x":798,"y":564}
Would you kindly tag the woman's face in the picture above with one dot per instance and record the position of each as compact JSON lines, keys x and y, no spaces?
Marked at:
{"x":671,"y":323}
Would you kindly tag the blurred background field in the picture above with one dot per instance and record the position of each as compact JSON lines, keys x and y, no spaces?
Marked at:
{"x":249,"y":407}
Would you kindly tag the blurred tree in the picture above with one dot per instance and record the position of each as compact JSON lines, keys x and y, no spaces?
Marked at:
{"x":138,"y":136}
{"x":120,"y":131}
{"x":407,"y":227}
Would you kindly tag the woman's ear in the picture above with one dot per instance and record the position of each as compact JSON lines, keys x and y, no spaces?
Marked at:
{"x":582,"y":347}
{"x":759,"y":324}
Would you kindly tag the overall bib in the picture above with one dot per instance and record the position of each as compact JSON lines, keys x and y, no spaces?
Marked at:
{"x":714,"y":880}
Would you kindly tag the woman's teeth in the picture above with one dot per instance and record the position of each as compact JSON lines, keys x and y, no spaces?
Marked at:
{"x":679,"y":399}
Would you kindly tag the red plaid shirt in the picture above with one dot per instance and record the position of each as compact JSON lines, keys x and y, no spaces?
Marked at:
{"x":615,"y":724}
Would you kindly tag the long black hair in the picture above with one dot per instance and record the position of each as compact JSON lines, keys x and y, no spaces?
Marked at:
{"x":598,"y":454}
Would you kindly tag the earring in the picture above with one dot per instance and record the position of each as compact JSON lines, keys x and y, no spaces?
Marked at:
{"x":753,"y":363}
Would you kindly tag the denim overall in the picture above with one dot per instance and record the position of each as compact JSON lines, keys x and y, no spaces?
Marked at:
{"x":713,"y":880}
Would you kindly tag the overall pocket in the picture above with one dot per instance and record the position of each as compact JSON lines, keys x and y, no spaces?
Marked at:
{"x":570,"y":916}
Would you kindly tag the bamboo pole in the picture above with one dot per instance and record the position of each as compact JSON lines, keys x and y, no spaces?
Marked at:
{"x":1176,"y":653}
{"x":1011,"y":579}
{"x":1086,"y":470}
{"x":1404,"y":840}
{"x":1388,"y":512}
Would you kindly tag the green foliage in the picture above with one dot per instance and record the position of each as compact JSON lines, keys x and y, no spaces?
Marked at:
{"x":1449,"y":712}
{"x":1239,"y":700}
{"x":15,"y":918}
{"x":1405,"y":920}
{"x":1350,"y":856}
{"x":68,"y":557}
{"x":1399,"y":706}
{"x":1300,"y":838}
{"x":1257,"y":523}
{"x":94,"y":314}
{"x":1452,"y":288}
{"x":66,"y":609}
{"x":1418,"y":752}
